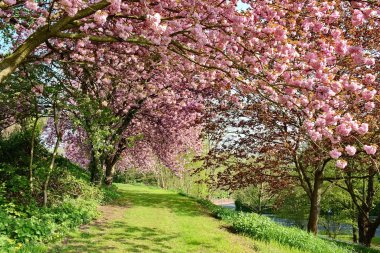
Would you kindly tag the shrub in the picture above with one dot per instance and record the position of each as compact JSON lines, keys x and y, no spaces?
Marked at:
{"x":110,"y":194}
{"x":24,"y":225}
{"x":43,"y":225}
{"x":240,"y":206}
{"x":135,"y":176}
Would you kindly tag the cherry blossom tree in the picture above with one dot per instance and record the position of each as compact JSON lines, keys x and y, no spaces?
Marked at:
{"x":116,"y":107}
{"x":137,"y":67}
{"x":258,"y":143}
{"x":360,"y":171}
{"x":299,"y":54}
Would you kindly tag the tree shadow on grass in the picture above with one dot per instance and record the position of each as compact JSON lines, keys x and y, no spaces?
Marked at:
{"x":176,"y":203}
{"x":118,"y":236}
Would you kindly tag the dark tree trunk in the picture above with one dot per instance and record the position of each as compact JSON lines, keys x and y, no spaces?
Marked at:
{"x":31,"y":178}
{"x":315,"y":203}
{"x":367,"y":228}
{"x":362,"y":227}
{"x":51,"y":167}
{"x":315,"y":207}
{"x":96,"y":169}
{"x":354,"y":234}
{"x":110,"y":171}
{"x":92,"y":167}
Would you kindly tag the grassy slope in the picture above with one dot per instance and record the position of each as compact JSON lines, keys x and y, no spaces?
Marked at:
{"x":148,"y":219}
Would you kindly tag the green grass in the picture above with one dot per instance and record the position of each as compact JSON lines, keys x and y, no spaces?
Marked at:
{"x":347,"y":239}
{"x":147,"y":219}
{"x":262,"y":228}
{"x":376,"y":241}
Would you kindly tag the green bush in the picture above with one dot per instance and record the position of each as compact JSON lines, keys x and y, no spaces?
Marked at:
{"x":240,"y":206}
{"x":135,"y":176}
{"x":24,"y":224}
{"x":110,"y":193}
{"x":43,"y":225}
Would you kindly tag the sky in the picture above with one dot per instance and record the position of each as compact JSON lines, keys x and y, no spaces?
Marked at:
{"x":242,"y":6}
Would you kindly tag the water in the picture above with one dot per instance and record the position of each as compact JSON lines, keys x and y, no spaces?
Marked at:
{"x":344,"y":227}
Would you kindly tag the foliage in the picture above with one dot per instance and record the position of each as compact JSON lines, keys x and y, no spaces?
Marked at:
{"x":23,"y":223}
{"x":256,"y":198}
{"x":43,"y":225}
{"x":133,"y":176}
{"x":337,"y":209}
{"x":110,"y":194}
{"x":188,"y":181}
{"x":295,"y":207}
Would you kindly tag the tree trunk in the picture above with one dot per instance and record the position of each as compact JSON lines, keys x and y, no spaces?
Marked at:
{"x":315,"y":203}
{"x":367,"y":229}
{"x":31,"y":179}
{"x":96,"y":168}
{"x":92,"y":167}
{"x":315,"y":206}
{"x":110,"y":171}
{"x":162,"y":173}
{"x":51,"y":167}
{"x":354,"y":234}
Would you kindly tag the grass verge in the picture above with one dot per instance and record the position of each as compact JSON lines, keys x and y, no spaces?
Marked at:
{"x":262,"y":228}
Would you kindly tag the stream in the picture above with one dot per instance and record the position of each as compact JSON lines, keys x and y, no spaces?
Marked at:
{"x":344,"y":228}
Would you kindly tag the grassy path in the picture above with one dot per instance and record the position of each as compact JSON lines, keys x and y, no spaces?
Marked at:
{"x":148,"y":219}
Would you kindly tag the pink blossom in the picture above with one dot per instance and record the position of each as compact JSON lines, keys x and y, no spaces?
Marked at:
{"x":357,"y":18}
{"x":100,"y":17}
{"x":336,"y":86}
{"x":9,"y":2}
{"x":369,"y":61}
{"x":336,"y":33}
{"x":354,"y":125}
{"x":48,"y":60}
{"x":335,"y":153}
{"x":341,"y":163}
{"x":31,"y":5}
{"x":66,"y":3}
{"x":115,"y":6}
{"x":371,"y":150}
{"x":154,"y":20}
{"x":280,"y":34}
{"x":40,"y":21}
{"x":315,"y":135}
{"x":309,"y":125}
{"x":344,"y":129}
{"x":363,"y":129}
{"x":351,"y":150}
{"x":368,"y":94}
{"x":353,"y":86}
{"x":334,"y":16}
{"x":369,"y":78}
{"x":341,"y":47}
{"x":369,"y":106}
{"x":38,"y":89}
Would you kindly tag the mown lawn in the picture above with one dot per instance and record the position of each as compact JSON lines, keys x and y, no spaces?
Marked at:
{"x":147,"y":219}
